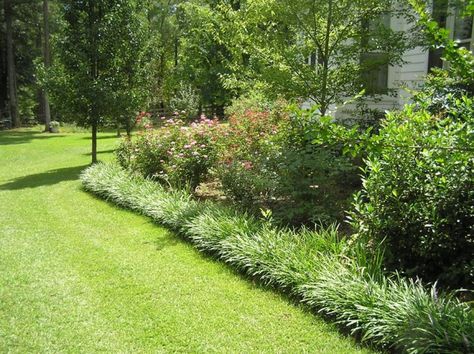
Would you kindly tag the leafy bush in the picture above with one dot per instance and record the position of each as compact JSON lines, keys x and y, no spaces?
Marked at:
{"x":294,"y":165}
{"x":315,"y":175}
{"x":176,"y":154}
{"x":248,"y":183}
{"x":185,"y":100}
{"x":317,"y":267}
{"x":440,"y":92}
{"x":246,"y":145}
{"x":418,"y":194}
{"x":256,"y":101}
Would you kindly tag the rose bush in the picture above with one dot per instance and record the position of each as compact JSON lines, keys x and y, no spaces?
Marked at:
{"x":178,"y":154}
{"x":291,"y":163}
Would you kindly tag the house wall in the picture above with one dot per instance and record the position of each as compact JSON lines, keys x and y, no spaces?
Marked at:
{"x":401,"y":79}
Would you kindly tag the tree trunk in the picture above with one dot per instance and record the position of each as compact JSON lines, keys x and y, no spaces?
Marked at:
{"x":176,"y":44}
{"x":94,"y":141}
{"x":47,"y":64}
{"x":12,"y":93}
{"x":324,"y":104}
{"x":3,"y":74}
{"x":128,"y":128}
{"x":94,"y":75}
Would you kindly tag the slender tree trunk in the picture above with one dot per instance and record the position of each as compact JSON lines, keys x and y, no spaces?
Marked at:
{"x":47,"y":64}
{"x":176,"y":45}
{"x":94,"y":141}
{"x":128,"y":128}
{"x":324,"y":104}
{"x":12,"y":93}
{"x":39,"y":112}
{"x":95,"y":115}
{"x":3,"y":74}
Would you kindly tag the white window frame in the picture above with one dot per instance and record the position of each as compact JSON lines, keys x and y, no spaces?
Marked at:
{"x":450,"y":26}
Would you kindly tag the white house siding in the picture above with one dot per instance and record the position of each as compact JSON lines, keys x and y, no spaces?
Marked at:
{"x":408,"y":75}
{"x":411,"y":74}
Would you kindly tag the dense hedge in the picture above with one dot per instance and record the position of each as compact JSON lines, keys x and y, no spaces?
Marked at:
{"x":318,"y":268}
{"x":418,"y":193}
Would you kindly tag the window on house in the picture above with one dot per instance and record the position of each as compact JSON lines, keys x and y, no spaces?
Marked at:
{"x":314,"y":60}
{"x":460,"y":28}
{"x":440,"y":15}
{"x":374,"y":63}
{"x":375,"y":75}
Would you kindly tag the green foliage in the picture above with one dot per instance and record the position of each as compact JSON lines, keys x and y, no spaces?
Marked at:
{"x":440,"y":93}
{"x":201,"y":57}
{"x":185,"y":101}
{"x":176,"y":154}
{"x":248,"y":183}
{"x":27,"y":47}
{"x":254,"y":100}
{"x":100,"y":69}
{"x":296,"y":165}
{"x":443,"y":87}
{"x":315,"y":266}
{"x":417,"y":195}
{"x":461,"y":60}
{"x":275,"y":40}
{"x":28,"y":104}
{"x":247,"y":154}
{"x":316,"y":178}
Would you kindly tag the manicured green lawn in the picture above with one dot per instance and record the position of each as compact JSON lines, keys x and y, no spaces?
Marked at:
{"x":79,"y":275}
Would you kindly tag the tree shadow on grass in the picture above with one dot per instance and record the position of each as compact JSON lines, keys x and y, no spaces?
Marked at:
{"x":100,"y":152}
{"x":47,"y":178}
{"x":18,"y":137}
{"x":102,"y":137}
{"x":165,"y":240}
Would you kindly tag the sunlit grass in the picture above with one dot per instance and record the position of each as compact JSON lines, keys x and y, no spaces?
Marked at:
{"x":79,"y":275}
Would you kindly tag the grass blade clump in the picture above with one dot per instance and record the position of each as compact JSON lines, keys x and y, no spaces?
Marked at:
{"x":322,"y":270}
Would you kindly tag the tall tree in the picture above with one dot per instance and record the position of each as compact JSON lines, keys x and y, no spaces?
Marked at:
{"x":26,"y":38}
{"x":3,"y":67}
{"x":204,"y":56}
{"x":163,"y":22}
{"x":47,"y":64}
{"x":323,"y":50}
{"x":97,"y":75}
{"x":12,"y":85}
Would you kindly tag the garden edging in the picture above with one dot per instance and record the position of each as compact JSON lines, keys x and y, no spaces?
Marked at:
{"x":313,"y":265}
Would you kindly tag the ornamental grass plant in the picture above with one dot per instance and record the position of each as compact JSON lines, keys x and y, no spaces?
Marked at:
{"x":317,"y":267}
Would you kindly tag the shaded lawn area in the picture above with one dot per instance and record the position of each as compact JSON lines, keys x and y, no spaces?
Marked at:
{"x":78,"y":274}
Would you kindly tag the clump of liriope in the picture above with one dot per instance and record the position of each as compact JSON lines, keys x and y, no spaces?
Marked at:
{"x":338,"y":278}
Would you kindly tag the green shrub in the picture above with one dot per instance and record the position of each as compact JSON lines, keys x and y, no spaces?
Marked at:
{"x":317,"y":267}
{"x":245,"y":148}
{"x":177,"y":154}
{"x":256,"y":101}
{"x":315,"y":176}
{"x":440,"y":92}
{"x":248,"y":183}
{"x":185,"y":101}
{"x":418,"y":194}
{"x":294,"y":166}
